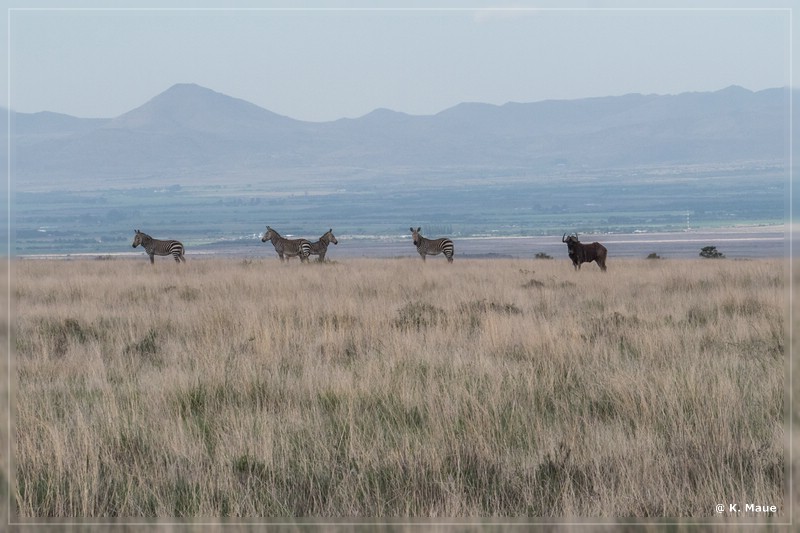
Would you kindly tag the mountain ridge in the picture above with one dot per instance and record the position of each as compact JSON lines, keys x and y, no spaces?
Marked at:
{"x":178,"y":87}
{"x":192,"y":134}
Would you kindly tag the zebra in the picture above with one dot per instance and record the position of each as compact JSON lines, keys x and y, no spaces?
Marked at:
{"x":321,"y":246}
{"x":287,"y":247}
{"x":155,"y":247}
{"x":432,"y":246}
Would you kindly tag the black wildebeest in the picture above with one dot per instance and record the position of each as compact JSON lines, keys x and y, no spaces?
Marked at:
{"x":585,"y":253}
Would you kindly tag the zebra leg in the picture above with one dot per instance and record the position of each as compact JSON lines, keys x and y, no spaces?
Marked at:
{"x":450,"y":258}
{"x":321,"y":258}
{"x":152,"y":259}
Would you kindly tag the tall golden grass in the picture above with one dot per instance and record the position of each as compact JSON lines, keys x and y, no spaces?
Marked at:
{"x":397,"y":388}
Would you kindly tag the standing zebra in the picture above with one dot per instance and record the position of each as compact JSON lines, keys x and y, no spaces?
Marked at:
{"x":287,"y":247}
{"x":432,"y":246}
{"x":155,"y":247}
{"x":320,"y":247}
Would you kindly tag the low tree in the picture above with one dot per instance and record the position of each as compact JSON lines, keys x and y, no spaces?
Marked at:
{"x":711,"y":252}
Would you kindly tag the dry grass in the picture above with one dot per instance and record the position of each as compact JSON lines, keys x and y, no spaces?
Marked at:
{"x":388,"y":388}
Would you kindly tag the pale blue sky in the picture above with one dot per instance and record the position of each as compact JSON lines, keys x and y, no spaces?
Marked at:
{"x":326,"y":64}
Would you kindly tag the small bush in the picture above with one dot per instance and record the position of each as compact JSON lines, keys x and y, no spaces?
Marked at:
{"x":63,"y":332}
{"x":148,"y":346}
{"x":418,"y":315}
{"x":483,"y":306}
{"x":533,"y":284}
{"x":711,"y":252}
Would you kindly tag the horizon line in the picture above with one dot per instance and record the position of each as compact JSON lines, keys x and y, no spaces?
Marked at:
{"x":9,"y":111}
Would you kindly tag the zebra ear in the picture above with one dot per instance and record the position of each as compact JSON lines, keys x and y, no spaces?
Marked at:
{"x":419,"y":229}
{"x":412,"y":230}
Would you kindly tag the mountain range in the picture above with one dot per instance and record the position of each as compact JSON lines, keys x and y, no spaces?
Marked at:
{"x":193,"y":135}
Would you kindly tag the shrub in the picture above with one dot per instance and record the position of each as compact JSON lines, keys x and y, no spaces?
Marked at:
{"x":711,"y":252}
{"x":418,"y":315}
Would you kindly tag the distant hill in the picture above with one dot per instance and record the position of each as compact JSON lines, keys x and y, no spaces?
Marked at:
{"x":190,"y":134}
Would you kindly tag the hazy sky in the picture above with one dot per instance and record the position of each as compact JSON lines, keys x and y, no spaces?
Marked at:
{"x":323,"y":64}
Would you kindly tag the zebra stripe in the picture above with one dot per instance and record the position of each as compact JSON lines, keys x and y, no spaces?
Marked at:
{"x":432,"y":246}
{"x":155,"y":247}
{"x":287,"y":247}
{"x":320,"y":247}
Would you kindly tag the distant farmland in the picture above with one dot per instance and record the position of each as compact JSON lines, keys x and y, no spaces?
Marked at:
{"x":460,"y":206}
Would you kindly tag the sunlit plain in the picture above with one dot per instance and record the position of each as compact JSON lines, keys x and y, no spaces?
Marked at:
{"x":384,"y":388}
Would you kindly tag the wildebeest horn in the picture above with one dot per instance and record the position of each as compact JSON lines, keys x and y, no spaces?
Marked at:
{"x":564,"y":238}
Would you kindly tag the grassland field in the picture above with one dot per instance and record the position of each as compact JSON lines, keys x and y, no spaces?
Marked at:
{"x":397,"y":388}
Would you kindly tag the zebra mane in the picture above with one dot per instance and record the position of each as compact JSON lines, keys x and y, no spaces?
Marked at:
{"x":275,"y":235}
